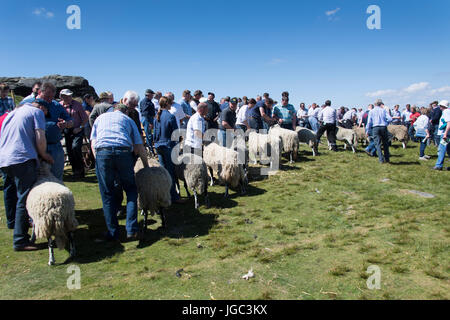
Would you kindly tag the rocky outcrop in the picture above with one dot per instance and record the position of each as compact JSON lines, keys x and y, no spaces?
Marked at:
{"x":22,"y":86}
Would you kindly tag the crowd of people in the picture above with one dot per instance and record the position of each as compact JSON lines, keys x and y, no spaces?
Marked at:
{"x":121,"y":132}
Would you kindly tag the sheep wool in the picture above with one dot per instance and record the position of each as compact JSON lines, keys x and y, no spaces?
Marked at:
{"x":400,"y":133}
{"x":308,"y":137}
{"x":261,"y":145}
{"x":51,"y":205}
{"x":153,"y":186}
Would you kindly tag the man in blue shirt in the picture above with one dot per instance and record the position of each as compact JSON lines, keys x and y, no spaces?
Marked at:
{"x":115,"y":138}
{"x":285,"y":114}
{"x":6,"y":103}
{"x":56,"y":120}
{"x":377,"y":121}
{"x":147,"y":109}
{"x":22,"y":140}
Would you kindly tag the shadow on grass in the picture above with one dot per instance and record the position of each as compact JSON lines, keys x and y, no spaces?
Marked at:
{"x":405,"y":163}
{"x":89,"y":250}
{"x":182,"y":224}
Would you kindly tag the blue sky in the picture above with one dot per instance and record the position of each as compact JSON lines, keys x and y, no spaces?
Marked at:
{"x":316,"y":50}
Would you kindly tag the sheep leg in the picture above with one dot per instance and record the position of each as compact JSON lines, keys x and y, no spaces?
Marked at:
{"x":404,"y":145}
{"x":33,"y":234}
{"x":211,"y":176}
{"x":71,"y":244}
{"x":291,"y":161}
{"x":195,"y":199}
{"x":51,"y":258}
{"x":226,"y":191}
{"x":187,"y":190}
{"x":353,"y":148}
{"x":163,"y":218}
{"x":145,"y":220}
{"x":313,"y":151}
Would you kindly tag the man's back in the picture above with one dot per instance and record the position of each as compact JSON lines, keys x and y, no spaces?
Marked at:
{"x":18,"y":136}
{"x":98,"y":110}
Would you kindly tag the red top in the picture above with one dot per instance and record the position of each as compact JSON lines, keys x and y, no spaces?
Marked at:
{"x":413,"y":117}
{"x":76,"y":111}
{"x":2,"y":118}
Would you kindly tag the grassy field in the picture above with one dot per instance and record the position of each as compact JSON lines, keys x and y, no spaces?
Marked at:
{"x":308,"y":232}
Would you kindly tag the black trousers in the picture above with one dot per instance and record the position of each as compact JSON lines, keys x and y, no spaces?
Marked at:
{"x":74,"y":144}
{"x":330,"y":128}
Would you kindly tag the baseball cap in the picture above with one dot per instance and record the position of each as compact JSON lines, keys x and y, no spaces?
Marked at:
{"x":234,"y":101}
{"x":149,"y":91}
{"x":65,"y":92}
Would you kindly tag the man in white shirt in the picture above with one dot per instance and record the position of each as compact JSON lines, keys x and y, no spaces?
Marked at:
{"x":176,"y":109}
{"x":302,"y":115}
{"x":313,"y":117}
{"x":328,"y":120}
{"x":195,"y":130}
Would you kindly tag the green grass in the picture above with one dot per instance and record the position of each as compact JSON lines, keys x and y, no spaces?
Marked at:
{"x":301,"y":244}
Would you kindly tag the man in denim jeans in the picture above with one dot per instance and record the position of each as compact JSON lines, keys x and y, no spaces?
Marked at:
{"x":377,"y":122}
{"x":115,"y":142}
{"x":22,"y":140}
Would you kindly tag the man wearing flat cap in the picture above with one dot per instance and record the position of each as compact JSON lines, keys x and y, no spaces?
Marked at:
{"x":148,"y":112}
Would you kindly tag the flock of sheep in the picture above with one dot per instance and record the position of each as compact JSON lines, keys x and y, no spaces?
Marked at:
{"x":51,"y":205}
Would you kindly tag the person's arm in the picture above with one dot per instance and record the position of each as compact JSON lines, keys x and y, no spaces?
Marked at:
{"x":446,"y":131}
{"x":139,"y":150}
{"x":41,"y":145}
{"x":226,"y":125}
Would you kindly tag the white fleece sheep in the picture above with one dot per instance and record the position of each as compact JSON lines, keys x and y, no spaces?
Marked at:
{"x":289,"y":138}
{"x":361,"y":135}
{"x":348,"y":136}
{"x":52,"y":207}
{"x":153,"y":187}
{"x":260,"y":147}
{"x":224,"y":162}
{"x":193,"y":172}
{"x":400,"y":133}
{"x":308,"y":137}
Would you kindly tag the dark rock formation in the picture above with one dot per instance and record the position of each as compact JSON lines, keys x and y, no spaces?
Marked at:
{"x":78,"y":85}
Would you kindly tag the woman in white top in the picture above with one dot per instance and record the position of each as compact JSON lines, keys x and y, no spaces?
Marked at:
{"x":421,"y":126}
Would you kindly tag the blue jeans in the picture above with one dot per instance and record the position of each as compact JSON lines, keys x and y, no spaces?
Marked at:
{"x":380,"y":136}
{"x":164,"y":156}
{"x":10,"y":199}
{"x":441,"y":154}
{"x":112,"y":165}
{"x":57,"y":152}
{"x":371,"y":148}
{"x":423,"y":146}
{"x":314,"y":124}
{"x":21,"y":178}
{"x":148,"y":133}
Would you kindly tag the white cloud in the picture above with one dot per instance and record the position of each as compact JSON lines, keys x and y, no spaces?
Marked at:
{"x":445,"y":89}
{"x":416,"y":87}
{"x":332,"y":12}
{"x":43,"y":12}
{"x":381,"y":93}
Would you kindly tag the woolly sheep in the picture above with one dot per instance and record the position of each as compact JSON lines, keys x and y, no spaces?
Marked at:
{"x":193,"y":172}
{"x":348,"y":136}
{"x":52,"y":207}
{"x":361,"y":135}
{"x":225,"y":163}
{"x":309,"y":137}
{"x":153,"y":187}
{"x":289,"y":138}
{"x":400,"y":133}
{"x":261,"y":145}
